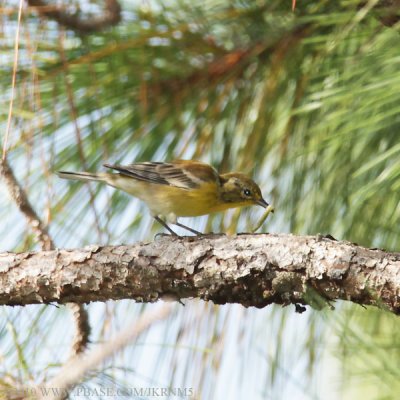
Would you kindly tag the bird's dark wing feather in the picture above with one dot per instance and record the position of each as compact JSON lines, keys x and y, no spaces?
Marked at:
{"x":179,"y":174}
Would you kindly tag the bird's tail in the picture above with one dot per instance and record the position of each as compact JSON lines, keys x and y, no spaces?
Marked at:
{"x":82,"y":176}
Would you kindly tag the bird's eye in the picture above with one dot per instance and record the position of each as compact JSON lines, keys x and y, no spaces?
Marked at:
{"x":246,"y":192}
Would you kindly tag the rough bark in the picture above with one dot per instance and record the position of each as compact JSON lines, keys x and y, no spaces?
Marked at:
{"x":253,"y":270}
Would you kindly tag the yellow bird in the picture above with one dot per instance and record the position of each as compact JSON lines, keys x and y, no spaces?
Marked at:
{"x":179,"y":188}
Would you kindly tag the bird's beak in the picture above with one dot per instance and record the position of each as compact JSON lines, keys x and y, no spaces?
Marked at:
{"x":262,"y":203}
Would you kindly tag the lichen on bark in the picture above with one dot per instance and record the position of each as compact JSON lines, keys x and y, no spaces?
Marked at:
{"x":253,"y":270}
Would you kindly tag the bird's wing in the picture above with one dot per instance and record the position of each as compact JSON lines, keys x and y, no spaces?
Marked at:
{"x":180,"y":173}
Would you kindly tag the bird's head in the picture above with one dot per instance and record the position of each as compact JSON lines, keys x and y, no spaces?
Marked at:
{"x":239,"y":190}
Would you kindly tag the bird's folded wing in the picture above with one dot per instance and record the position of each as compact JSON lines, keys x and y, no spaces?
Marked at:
{"x":181,"y":173}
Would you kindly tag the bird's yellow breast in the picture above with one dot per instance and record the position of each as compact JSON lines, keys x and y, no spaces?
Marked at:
{"x":165,"y":200}
{"x":185,"y":202}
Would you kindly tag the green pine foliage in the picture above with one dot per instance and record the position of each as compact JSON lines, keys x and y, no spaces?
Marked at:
{"x":307,"y":102}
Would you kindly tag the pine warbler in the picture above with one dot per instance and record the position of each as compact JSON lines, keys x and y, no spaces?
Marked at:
{"x":179,"y":188}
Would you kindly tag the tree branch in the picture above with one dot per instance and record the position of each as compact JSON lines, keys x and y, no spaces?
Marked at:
{"x":253,"y":270}
{"x":46,"y":243}
{"x":111,"y":16}
{"x":388,"y":12}
{"x":74,"y":371}
{"x":21,"y":200}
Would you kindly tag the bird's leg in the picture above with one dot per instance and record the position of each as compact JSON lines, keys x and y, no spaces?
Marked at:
{"x":189,"y":229}
{"x":164,"y":224}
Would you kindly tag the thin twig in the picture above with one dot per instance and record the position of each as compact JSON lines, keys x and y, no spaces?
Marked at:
{"x":73,"y":372}
{"x":82,"y":328}
{"x":46,"y":243}
{"x":13,"y":80}
{"x":78,"y":135}
{"x":21,"y":200}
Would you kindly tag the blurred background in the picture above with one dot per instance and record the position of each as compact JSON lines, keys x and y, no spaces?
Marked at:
{"x":306,"y":102}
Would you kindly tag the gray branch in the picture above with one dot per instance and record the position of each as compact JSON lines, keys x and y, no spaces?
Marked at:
{"x":253,"y":270}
